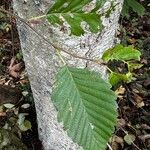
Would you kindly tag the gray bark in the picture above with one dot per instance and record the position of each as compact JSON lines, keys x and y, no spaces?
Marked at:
{"x":42,"y":63}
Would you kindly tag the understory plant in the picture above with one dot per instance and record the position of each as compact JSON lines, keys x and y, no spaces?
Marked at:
{"x":134,"y":5}
{"x":85,"y":102}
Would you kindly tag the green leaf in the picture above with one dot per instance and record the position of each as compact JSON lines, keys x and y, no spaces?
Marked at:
{"x":86,"y":106}
{"x":115,"y":78}
{"x":74,"y":14}
{"x":125,"y":9}
{"x":129,"y":138}
{"x":21,"y":118}
{"x":132,"y":66}
{"x":122,"y":53}
{"x":136,"y":7}
{"x":25,"y":126}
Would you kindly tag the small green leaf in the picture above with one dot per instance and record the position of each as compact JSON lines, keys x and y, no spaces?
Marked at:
{"x":115,"y":78}
{"x":129,"y":138}
{"x":136,"y":7}
{"x":132,"y":66}
{"x":19,"y":56}
{"x":125,"y":9}
{"x":121,"y":53}
{"x":25,"y":126}
{"x":86,"y":106}
{"x":21,"y":118}
{"x":74,"y":14}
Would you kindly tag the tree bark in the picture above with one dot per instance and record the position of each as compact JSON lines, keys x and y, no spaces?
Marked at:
{"x":42,"y":62}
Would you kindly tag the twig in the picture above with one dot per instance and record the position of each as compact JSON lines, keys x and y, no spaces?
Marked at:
{"x":37,"y":17}
{"x":60,"y":56}
{"x":109,"y":146}
{"x":100,"y":62}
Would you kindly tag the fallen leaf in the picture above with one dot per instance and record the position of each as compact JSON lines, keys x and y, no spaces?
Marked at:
{"x":25,"y":93}
{"x":121,"y":90}
{"x":132,"y":40}
{"x":129,"y":138}
{"x":145,"y":127}
{"x":9,"y":105}
{"x":135,"y":91}
{"x":3,"y":114}
{"x":115,"y":146}
{"x":121,"y":123}
{"x":144,"y":61}
{"x":14,"y":69}
{"x":25,"y":126}
{"x":117,"y":139}
{"x":140,"y":104}
{"x":24,"y":81}
{"x":25,"y":106}
{"x":139,"y":100}
{"x":144,"y":137}
{"x":2,"y":81}
{"x":21,"y":118}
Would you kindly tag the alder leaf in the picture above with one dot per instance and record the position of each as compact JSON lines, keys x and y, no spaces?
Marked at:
{"x":119,"y":52}
{"x":74,"y":13}
{"x":86,"y":106}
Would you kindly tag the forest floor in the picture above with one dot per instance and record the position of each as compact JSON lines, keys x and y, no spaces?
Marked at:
{"x":19,"y":117}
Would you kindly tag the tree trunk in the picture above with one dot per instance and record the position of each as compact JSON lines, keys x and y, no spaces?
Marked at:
{"x":42,"y":62}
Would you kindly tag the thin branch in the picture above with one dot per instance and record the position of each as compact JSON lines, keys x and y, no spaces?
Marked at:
{"x":109,"y":146}
{"x":100,"y":62}
{"x":37,"y":17}
{"x":60,"y":56}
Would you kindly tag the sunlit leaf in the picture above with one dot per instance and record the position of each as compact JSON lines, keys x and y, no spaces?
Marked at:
{"x":122,"y":53}
{"x":115,"y":78}
{"x":132,"y":66}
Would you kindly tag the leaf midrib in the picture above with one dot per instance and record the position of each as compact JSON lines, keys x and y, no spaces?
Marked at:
{"x":70,"y":13}
{"x":82,"y":104}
